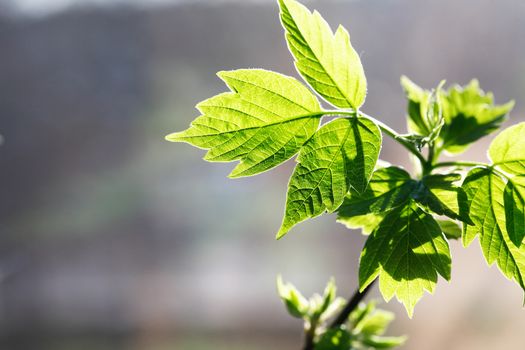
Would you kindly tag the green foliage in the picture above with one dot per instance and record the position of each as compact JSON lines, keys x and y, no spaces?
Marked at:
{"x":407,"y":251}
{"x":340,"y":156}
{"x":469,"y":114}
{"x":263,"y":122}
{"x":316,"y":309}
{"x":367,"y":325}
{"x":268,"y":118}
{"x":424,"y":115}
{"x":485,"y":191}
{"x":363,"y":330}
{"x":328,"y":62}
{"x":507,"y":151}
{"x":450,"y":228}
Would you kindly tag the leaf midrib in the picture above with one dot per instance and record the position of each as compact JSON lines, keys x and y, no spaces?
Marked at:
{"x":328,"y":170}
{"x":317,"y":58}
{"x":282,"y":121}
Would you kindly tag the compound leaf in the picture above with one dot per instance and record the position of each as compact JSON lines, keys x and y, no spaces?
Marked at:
{"x":388,"y":188}
{"x":507,"y":150}
{"x":341,"y":155}
{"x":424,"y":110}
{"x":469,"y":115}
{"x":296,"y":304}
{"x":514,"y":201}
{"x":334,"y":339}
{"x":487,"y":210}
{"x":328,"y":62}
{"x":450,"y":228}
{"x":407,"y":251}
{"x":367,"y":223}
{"x":380,"y":342}
{"x":263,"y":122}
{"x":438,"y":193}
{"x":376,"y":323}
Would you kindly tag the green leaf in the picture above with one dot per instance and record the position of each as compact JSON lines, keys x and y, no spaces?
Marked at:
{"x":514,"y":202}
{"x":378,"y":342}
{"x":334,"y":339}
{"x":367,"y":324}
{"x":320,"y":304}
{"x":367,"y":223}
{"x":450,"y":228}
{"x":263,"y":122}
{"x":438,"y":193}
{"x":328,"y":62}
{"x":360,"y":313}
{"x":507,"y":151}
{"x":341,"y":155}
{"x":376,"y":323}
{"x":469,"y":115}
{"x":329,"y":295}
{"x":424,"y":111}
{"x":295,"y":302}
{"x":407,"y":251}
{"x":417,"y":103}
{"x":388,"y":188}
{"x":485,"y":201}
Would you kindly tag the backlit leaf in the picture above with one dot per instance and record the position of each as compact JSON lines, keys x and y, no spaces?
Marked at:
{"x":469,"y":115}
{"x":407,"y":251}
{"x":424,"y":111}
{"x":296,"y":304}
{"x":438,"y":193}
{"x":485,"y":200}
{"x":514,"y":201}
{"x":263,"y":122}
{"x":334,"y":339}
{"x":450,"y":228}
{"x":341,"y":155}
{"x":327,"y":61}
{"x":388,"y":188}
{"x":507,"y":150}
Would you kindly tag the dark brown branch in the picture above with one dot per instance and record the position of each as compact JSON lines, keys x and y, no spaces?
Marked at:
{"x":340,"y":319}
{"x":309,"y":338}
{"x":350,"y":306}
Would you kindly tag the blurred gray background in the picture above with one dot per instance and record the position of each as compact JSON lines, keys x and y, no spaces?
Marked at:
{"x":112,"y":238}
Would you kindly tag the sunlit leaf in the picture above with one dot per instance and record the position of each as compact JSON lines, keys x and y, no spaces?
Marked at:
{"x":485,"y":200}
{"x":327,"y":61}
{"x":469,"y":115}
{"x":450,"y":228}
{"x":407,"y":251}
{"x":341,"y":155}
{"x":507,"y":150}
{"x":263,"y":122}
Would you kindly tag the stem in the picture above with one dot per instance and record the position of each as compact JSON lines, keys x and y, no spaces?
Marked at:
{"x":350,"y":306}
{"x":472,"y":164}
{"x":387,"y":130}
{"x":429,"y":164}
{"x":309,"y":337}
{"x":460,"y":164}
{"x":340,"y":319}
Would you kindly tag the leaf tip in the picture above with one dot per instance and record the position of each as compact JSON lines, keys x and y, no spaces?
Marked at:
{"x":282,"y":232}
{"x":410,"y":310}
{"x":223,"y":74}
{"x":236,"y":174}
{"x":173,"y":137}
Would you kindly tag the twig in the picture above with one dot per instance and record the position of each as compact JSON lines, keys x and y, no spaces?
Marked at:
{"x":350,"y":306}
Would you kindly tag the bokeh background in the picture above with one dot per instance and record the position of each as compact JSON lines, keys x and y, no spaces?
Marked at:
{"x":112,"y":238}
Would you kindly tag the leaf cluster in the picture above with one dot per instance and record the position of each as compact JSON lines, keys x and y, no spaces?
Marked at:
{"x":364,"y":329}
{"x":267,"y":118}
